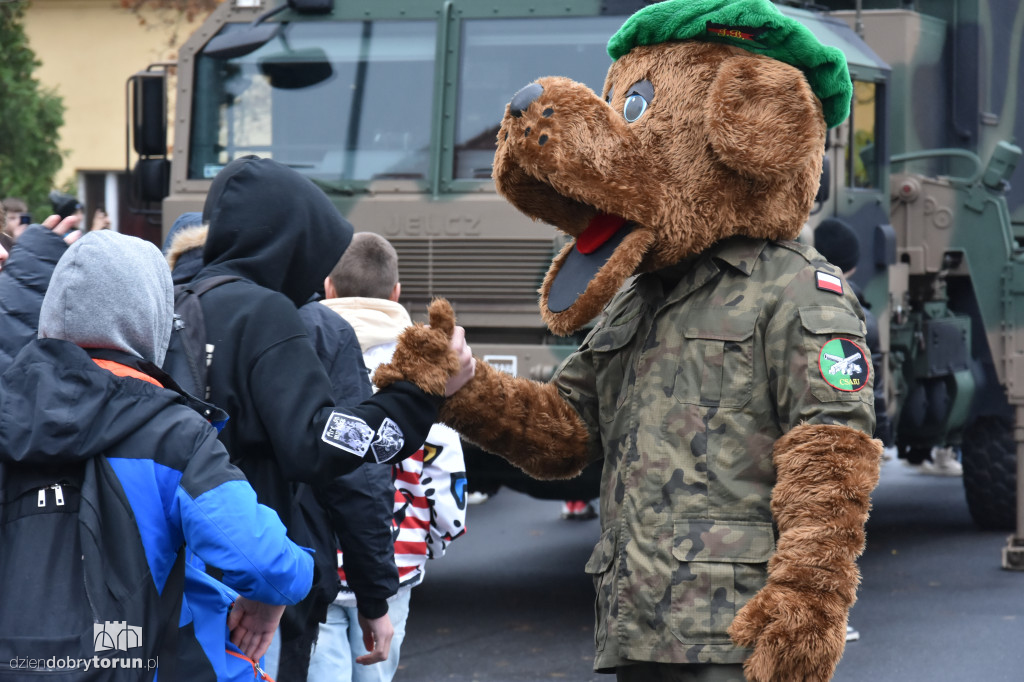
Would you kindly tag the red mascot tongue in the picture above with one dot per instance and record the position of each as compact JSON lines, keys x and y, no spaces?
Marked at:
{"x":601,"y":228}
{"x":594,"y":246}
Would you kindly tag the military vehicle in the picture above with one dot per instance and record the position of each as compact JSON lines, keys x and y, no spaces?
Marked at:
{"x":392,"y":107}
{"x":921,"y":171}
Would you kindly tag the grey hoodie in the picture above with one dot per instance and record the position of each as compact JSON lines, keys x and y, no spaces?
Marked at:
{"x":130,"y":301}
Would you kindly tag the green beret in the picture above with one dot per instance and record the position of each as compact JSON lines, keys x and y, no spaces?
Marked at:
{"x":754,"y":25}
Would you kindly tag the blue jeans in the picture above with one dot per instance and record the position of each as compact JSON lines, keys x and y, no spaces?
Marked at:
{"x":273,"y":654}
{"x":341,"y":640}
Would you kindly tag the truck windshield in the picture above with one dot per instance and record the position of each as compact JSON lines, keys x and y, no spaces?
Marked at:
{"x":334,"y":100}
{"x":500,"y":56}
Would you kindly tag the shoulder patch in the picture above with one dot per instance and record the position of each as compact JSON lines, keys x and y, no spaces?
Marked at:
{"x":389,"y":442}
{"x":844,"y":365}
{"x":827,"y":282}
{"x":348,"y":433}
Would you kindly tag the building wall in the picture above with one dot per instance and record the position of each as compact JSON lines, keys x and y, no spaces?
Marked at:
{"x":88,"y":49}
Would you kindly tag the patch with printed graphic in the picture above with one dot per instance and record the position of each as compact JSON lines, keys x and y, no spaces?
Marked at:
{"x":844,"y":365}
{"x":827,"y":282}
{"x":348,"y":433}
{"x":390,"y":440}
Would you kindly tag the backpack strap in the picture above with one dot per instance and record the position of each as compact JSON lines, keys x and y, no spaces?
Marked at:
{"x":189,"y":321}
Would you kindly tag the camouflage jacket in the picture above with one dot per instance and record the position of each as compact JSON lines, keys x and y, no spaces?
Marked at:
{"x":686,"y":383}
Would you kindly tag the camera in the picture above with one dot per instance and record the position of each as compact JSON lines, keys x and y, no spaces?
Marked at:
{"x":26,"y":219}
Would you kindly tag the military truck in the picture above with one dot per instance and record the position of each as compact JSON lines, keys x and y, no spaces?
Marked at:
{"x":392,"y":107}
{"x":922,"y":172}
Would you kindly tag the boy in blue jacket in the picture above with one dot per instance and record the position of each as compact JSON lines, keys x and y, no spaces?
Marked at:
{"x":89,"y":424}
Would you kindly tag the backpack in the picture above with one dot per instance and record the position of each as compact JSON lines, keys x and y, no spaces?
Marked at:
{"x":188,"y":355}
{"x":75,"y":582}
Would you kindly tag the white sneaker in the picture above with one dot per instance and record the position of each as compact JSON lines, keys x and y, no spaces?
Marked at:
{"x":477,"y":498}
{"x":851,"y":634}
{"x":889,"y":453}
{"x":942,"y":463}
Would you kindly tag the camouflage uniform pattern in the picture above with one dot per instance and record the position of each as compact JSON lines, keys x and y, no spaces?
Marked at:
{"x":691,"y":376}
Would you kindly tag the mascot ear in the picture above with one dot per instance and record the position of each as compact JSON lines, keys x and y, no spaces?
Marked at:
{"x":762,"y":118}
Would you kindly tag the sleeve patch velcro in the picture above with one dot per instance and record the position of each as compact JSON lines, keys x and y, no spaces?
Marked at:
{"x":844,"y":365}
{"x":390,"y":441}
{"x":827,"y":282}
{"x":348,"y":433}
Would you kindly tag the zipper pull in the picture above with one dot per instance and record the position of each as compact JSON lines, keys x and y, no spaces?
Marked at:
{"x":41,"y":498}
{"x":58,"y":493}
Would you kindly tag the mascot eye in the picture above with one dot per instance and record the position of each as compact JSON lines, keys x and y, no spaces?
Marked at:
{"x":635,"y":107}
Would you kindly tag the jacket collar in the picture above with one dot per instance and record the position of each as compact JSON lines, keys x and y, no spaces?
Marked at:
{"x":213,"y":414}
{"x":676,"y":282}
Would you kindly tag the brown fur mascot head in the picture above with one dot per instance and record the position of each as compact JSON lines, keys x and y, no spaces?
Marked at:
{"x":711,"y":124}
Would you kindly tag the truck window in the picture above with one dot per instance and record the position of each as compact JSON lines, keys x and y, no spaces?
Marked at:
{"x":861,"y":157}
{"x":500,"y":56}
{"x":334,"y":100}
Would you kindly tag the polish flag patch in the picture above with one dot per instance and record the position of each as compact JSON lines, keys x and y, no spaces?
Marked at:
{"x":827,"y":282}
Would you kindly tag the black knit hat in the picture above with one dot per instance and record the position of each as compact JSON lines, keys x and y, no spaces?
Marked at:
{"x":838,"y":243}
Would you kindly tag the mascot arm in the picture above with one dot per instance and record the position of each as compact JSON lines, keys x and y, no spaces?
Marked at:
{"x":797,"y":623}
{"x":526,"y":422}
{"x":826,"y":467}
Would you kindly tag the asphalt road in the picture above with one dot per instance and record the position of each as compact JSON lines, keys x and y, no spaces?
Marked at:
{"x":510,"y":601}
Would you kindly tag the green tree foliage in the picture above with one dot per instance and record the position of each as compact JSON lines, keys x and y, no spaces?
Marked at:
{"x":30,"y":116}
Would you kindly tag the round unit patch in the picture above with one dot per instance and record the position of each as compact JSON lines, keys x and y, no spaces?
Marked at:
{"x":844,"y":365}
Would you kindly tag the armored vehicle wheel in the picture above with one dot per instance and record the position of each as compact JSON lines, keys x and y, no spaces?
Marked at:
{"x":990,"y":473}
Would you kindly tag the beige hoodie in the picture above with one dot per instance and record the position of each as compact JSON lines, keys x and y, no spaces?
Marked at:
{"x":376,"y":321}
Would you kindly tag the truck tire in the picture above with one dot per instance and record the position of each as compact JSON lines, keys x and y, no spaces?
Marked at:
{"x":990,"y":473}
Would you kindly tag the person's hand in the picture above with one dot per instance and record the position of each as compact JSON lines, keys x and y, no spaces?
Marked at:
{"x":252,"y":625}
{"x":377,"y":634}
{"x":467,"y":363}
{"x":66,"y":228}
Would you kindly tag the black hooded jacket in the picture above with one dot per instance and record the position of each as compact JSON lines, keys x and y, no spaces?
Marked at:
{"x":281,"y":234}
{"x":23,"y":283}
{"x":360,"y":504}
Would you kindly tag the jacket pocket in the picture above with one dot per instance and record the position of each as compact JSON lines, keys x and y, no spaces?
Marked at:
{"x":721,"y":565}
{"x":598,"y":566}
{"x":716,"y":362}
{"x":610,"y":350}
{"x":844,"y":381}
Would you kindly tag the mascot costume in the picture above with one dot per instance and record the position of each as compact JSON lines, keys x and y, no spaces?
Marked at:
{"x":726,"y":385}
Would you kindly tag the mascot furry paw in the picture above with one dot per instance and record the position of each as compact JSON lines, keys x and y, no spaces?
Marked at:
{"x":727,"y":386}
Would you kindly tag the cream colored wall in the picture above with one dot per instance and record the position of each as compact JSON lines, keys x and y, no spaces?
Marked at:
{"x":88,"y":49}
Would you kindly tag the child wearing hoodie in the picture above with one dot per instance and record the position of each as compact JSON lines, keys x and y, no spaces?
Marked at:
{"x":114,"y":486}
{"x":429,"y":488}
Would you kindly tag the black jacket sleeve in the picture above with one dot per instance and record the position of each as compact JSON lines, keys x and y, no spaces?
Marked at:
{"x":359,"y":504}
{"x":23,"y":283}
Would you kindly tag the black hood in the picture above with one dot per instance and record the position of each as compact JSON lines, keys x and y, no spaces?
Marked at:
{"x":272,"y":226}
{"x":57,"y":406}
